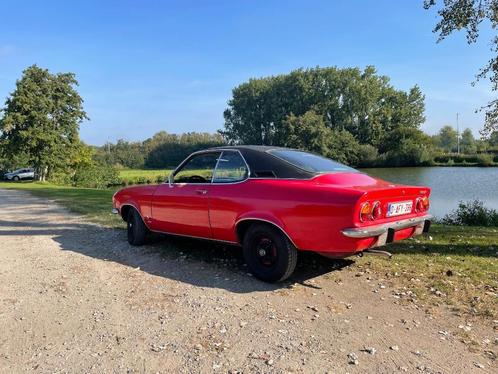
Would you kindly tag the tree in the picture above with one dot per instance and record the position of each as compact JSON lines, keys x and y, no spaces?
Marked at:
{"x":468,"y":142}
{"x":448,"y":138}
{"x":307,"y":132}
{"x":41,"y":119}
{"x":168,"y":150}
{"x":360,"y":102}
{"x":493,"y":139}
{"x":469,"y":15}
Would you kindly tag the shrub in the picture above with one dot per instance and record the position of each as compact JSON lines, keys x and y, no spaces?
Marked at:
{"x":472,"y":213}
{"x":484,"y":159}
{"x":63,"y":178}
{"x":409,"y":154}
{"x":367,"y":155}
{"x":160,"y":179}
{"x":141,"y":180}
{"x":96,"y":176}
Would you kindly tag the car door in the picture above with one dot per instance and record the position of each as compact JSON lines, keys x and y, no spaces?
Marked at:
{"x":181,"y":206}
{"x":229,"y":195}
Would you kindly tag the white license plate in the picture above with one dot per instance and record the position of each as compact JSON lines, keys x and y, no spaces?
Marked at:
{"x":397,"y":209}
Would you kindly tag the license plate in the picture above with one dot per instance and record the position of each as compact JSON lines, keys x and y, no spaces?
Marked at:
{"x":397,"y":209}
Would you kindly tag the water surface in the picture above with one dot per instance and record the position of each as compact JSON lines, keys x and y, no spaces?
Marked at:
{"x":449,"y":184}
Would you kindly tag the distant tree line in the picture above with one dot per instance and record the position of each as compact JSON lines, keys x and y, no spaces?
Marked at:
{"x":161,"y":151}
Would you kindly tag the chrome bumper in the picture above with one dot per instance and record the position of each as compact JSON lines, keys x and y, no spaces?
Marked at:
{"x":115,"y":211}
{"x":385,"y":232}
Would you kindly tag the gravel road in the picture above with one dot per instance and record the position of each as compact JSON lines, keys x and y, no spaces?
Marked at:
{"x":75,"y":297}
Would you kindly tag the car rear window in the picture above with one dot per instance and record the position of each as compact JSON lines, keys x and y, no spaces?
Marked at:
{"x":310,"y":162}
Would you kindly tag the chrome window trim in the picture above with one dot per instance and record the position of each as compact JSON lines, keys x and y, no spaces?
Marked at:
{"x":184,"y":162}
{"x":243,"y":159}
{"x":218,"y":150}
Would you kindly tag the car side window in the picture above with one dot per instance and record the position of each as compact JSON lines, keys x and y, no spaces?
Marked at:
{"x":230,"y":168}
{"x":199,"y":169}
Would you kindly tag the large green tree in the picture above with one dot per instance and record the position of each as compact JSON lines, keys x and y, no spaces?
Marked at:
{"x":448,"y":138}
{"x":468,"y":142}
{"x":360,"y":102}
{"x":41,"y":120}
{"x":469,"y":15}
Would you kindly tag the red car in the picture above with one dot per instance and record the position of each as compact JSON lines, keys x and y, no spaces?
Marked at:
{"x":273,"y":202}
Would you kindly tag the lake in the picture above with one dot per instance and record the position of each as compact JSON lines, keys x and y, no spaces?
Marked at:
{"x":449,"y":184}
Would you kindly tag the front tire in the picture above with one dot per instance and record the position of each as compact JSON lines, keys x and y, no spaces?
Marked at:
{"x":135,"y":228}
{"x":16,"y":179}
{"x":269,"y":254}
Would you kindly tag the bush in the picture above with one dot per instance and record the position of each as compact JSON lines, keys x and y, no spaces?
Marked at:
{"x":96,"y":176}
{"x":472,"y":213}
{"x":409,"y":154}
{"x":484,"y":159}
{"x":481,"y":159}
{"x":367,"y":156}
{"x":63,"y":178}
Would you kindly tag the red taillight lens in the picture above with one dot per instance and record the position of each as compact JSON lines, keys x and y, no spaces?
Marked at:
{"x":422,"y":204}
{"x":425,"y":203}
{"x":376,"y":210}
{"x":365,"y":212}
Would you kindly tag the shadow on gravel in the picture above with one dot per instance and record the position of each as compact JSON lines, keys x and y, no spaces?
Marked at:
{"x":197,"y":262}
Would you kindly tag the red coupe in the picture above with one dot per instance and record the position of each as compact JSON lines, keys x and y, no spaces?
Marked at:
{"x":273,"y":202}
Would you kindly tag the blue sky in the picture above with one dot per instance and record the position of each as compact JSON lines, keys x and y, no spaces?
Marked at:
{"x":146,"y":66}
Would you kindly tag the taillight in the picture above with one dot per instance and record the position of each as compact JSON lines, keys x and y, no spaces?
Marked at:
{"x":365,"y":212}
{"x":376,"y":210}
{"x":422,"y":204}
{"x":425,"y":203}
{"x":370,"y":211}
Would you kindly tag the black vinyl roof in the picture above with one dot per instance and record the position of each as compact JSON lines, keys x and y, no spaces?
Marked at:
{"x":263,"y":164}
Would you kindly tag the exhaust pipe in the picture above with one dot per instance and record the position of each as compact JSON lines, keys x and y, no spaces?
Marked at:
{"x":377,"y":252}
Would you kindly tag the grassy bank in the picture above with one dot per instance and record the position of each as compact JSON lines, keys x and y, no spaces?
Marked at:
{"x":95,"y":204}
{"x":143,"y":176}
{"x":455,"y":265}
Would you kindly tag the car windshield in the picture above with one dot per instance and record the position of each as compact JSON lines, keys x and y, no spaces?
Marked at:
{"x":310,"y":162}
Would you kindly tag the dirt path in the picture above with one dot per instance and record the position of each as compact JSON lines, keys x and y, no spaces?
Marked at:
{"x":75,"y":297}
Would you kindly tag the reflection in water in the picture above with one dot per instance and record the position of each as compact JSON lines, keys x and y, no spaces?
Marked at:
{"x":449,"y":184}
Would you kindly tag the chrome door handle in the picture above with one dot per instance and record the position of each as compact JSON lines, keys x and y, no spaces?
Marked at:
{"x":201,"y":192}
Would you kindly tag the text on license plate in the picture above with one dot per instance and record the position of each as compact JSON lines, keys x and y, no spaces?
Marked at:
{"x":397,"y":209}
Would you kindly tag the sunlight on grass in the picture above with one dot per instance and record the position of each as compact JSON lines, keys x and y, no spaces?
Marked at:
{"x":459,"y":266}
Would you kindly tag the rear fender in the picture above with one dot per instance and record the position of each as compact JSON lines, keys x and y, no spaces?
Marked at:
{"x":263,"y":217}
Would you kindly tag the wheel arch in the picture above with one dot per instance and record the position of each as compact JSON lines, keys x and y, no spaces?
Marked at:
{"x":243,"y":224}
{"x":125,"y":209}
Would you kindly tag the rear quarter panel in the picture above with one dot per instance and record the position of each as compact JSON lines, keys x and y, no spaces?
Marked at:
{"x":312,"y":215}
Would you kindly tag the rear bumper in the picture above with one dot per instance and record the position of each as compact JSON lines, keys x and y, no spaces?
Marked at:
{"x":386,"y":231}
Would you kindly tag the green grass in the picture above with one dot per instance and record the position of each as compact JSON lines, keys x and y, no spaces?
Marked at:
{"x":148,"y":174}
{"x":460,"y":262}
{"x":94,"y":204}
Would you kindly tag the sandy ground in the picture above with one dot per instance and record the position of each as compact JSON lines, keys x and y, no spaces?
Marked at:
{"x":75,"y":297}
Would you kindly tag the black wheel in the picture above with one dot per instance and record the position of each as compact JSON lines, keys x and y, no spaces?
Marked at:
{"x":136,"y":228}
{"x":269,"y":254}
{"x":16,"y":178}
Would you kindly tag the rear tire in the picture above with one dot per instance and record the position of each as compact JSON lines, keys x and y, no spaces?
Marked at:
{"x":16,"y":179}
{"x":136,"y":229}
{"x":269,"y":254}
